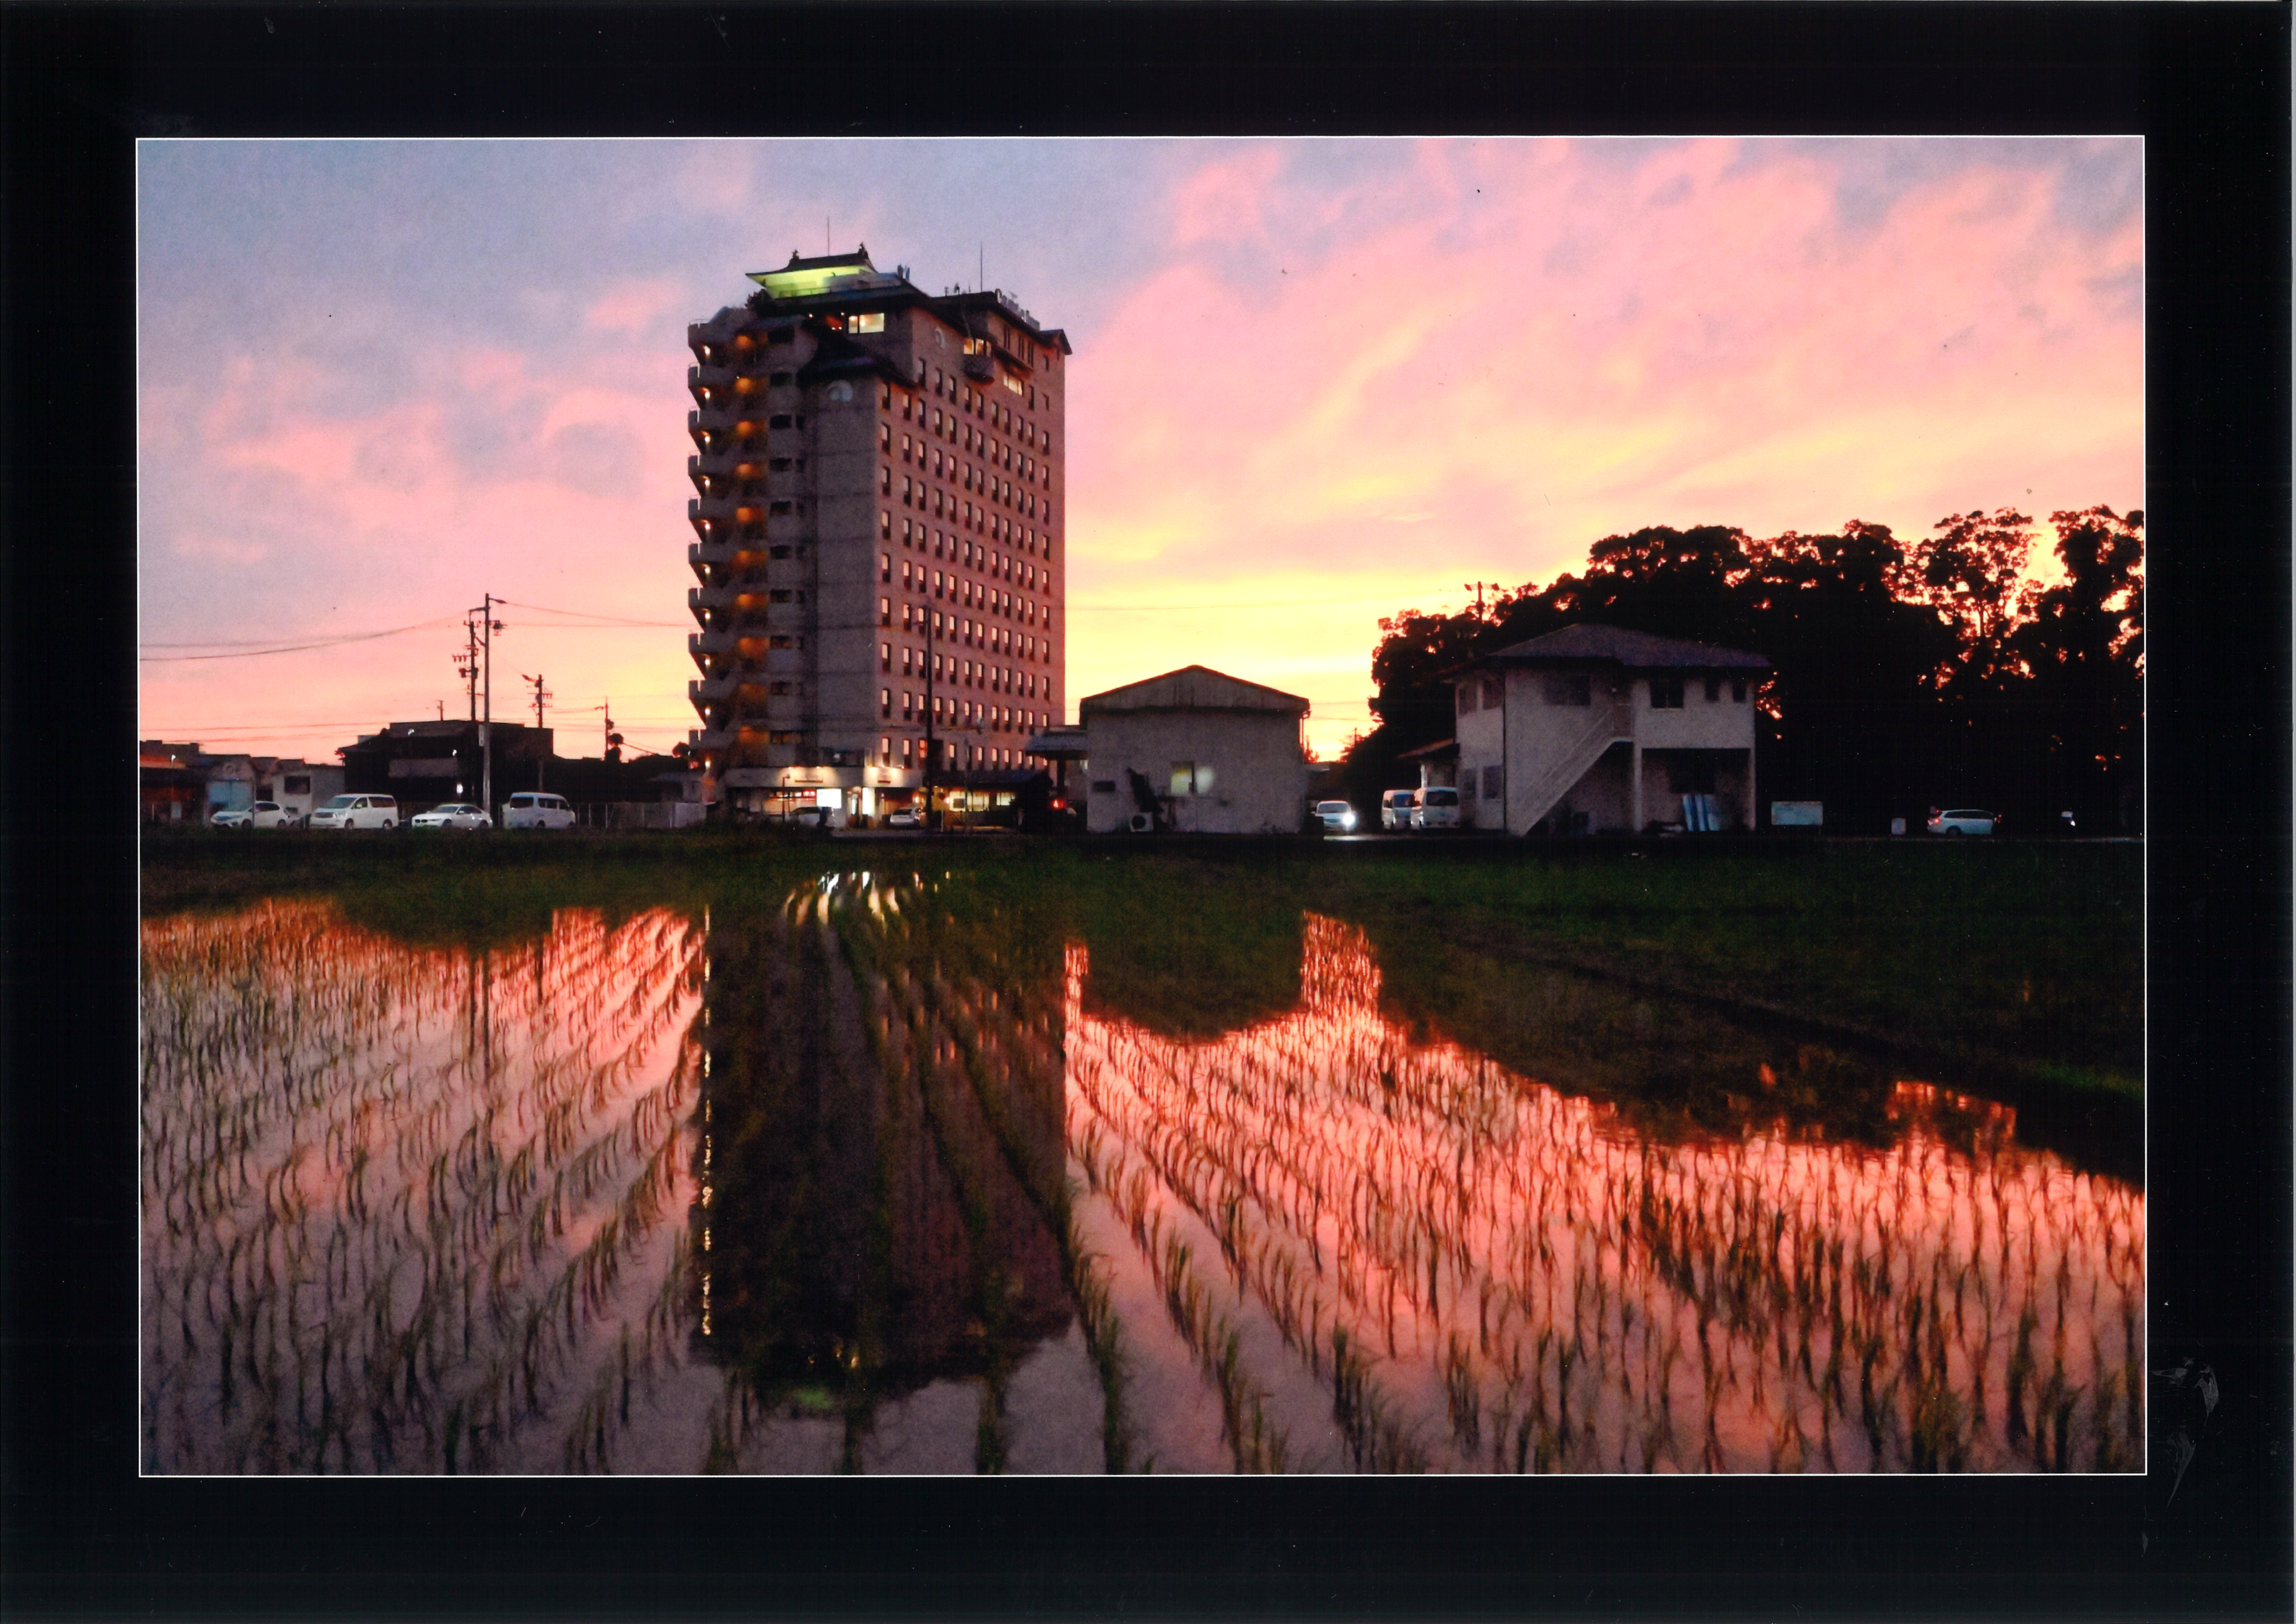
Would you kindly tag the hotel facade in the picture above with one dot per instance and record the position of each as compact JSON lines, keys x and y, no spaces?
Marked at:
{"x":880,"y":551}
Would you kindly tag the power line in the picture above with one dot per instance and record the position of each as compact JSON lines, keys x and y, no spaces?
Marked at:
{"x":290,"y":648}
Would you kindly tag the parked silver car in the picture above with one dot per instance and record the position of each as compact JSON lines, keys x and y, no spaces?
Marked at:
{"x":453,"y":815}
{"x":1338,"y":816}
{"x":358,"y":812}
{"x":1966,"y":820}
{"x":262,"y":814}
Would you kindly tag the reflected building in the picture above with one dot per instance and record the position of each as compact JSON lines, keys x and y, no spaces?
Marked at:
{"x":880,"y":1162}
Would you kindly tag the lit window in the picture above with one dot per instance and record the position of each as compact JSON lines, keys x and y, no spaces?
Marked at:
{"x":873,"y":321}
{"x":885,"y":699}
{"x":885,"y":567}
{"x":884,"y":612}
{"x":884,"y":656}
{"x":1191,"y":778}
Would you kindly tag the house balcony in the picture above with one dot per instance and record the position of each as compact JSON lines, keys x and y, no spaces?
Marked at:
{"x":720,"y":507}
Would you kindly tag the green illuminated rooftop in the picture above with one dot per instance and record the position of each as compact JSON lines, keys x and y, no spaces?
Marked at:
{"x":803,"y":278}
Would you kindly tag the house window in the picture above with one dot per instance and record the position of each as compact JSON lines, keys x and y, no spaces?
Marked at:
{"x":1737,"y":690}
{"x":1191,"y":778}
{"x":1570,"y":688}
{"x":1467,"y":696}
{"x":1713,"y":690}
{"x":1491,"y":785}
{"x":1666,"y":693}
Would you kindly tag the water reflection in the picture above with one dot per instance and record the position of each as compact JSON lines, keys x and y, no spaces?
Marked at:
{"x":881,"y":1162}
{"x":408,"y":1209}
{"x":1384,"y":1253}
{"x":874,"y":1180}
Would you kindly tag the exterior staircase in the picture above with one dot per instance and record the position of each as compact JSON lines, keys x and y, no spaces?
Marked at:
{"x":1609,"y":725}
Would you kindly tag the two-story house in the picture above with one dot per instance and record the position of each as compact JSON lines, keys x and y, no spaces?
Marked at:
{"x":1595,"y":730}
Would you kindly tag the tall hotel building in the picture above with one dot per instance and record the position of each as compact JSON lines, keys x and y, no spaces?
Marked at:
{"x":881,"y":551}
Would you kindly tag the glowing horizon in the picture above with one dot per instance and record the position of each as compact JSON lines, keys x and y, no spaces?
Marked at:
{"x":1315,"y":381}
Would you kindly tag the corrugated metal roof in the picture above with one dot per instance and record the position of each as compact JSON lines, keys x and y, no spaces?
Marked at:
{"x":1193,"y":688}
{"x":1614,"y":645}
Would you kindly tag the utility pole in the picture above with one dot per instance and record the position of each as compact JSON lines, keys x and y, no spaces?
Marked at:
{"x":542,"y":760}
{"x":487,"y":626}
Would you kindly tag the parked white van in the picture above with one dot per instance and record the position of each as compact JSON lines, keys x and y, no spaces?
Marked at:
{"x":1396,"y":807}
{"x":1437,"y":808}
{"x":357,"y":812}
{"x":536,"y":810}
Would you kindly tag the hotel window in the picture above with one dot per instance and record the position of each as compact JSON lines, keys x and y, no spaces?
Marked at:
{"x":1570,"y":689}
{"x":885,"y":436}
{"x":885,"y":567}
{"x":885,"y":698}
{"x":884,"y":612}
{"x":873,"y":321}
{"x":904,"y":752}
{"x":885,"y":477}
{"x":884,"y":656}
{"x":885,"y":515}
{"x":908,"y":701}
{"x":1666,"y":693}
{"x":1191,"y":778}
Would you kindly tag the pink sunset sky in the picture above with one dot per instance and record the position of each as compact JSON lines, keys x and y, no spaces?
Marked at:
{"x":1314,"y":382}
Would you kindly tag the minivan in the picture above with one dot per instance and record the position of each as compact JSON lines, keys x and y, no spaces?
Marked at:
{"x":531,"y":809}
{"x":357,"y":812}
{"x":1437,"y":808}
{"x":1396,"y":807}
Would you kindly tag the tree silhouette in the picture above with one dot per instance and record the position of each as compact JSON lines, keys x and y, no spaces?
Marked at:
{"x":1903,"y":674}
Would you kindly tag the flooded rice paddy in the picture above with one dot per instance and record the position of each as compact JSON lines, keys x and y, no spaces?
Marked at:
{"x":898,"y":1177}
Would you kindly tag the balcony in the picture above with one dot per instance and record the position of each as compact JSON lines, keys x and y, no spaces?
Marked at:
{"x":718,"y":507}
{"x":703,"y":645}
{"x":711,"y":738}
{"x":981,"y":368}
{"x":708,"y":691}
{"x":699,"y":600}
{"x":701,"y":555}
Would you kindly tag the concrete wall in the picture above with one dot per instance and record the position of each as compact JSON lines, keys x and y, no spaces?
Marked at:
{"x":1259,"y":780}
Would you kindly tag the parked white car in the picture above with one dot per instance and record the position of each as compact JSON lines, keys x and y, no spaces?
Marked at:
{"x":903,"y":817}
{"x":262,"y":814}
{"x":357,"y":812}
{"x":536,"y":810}
{"x":1968,"y":820}
{"x":1396,"y":807}
{"x":1339,"y":817}
{"x":1437,"y":808}
{"x":453,"y":815}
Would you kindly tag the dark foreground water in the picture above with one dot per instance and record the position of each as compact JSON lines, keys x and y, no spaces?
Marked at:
{"x":895,"y":1179}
